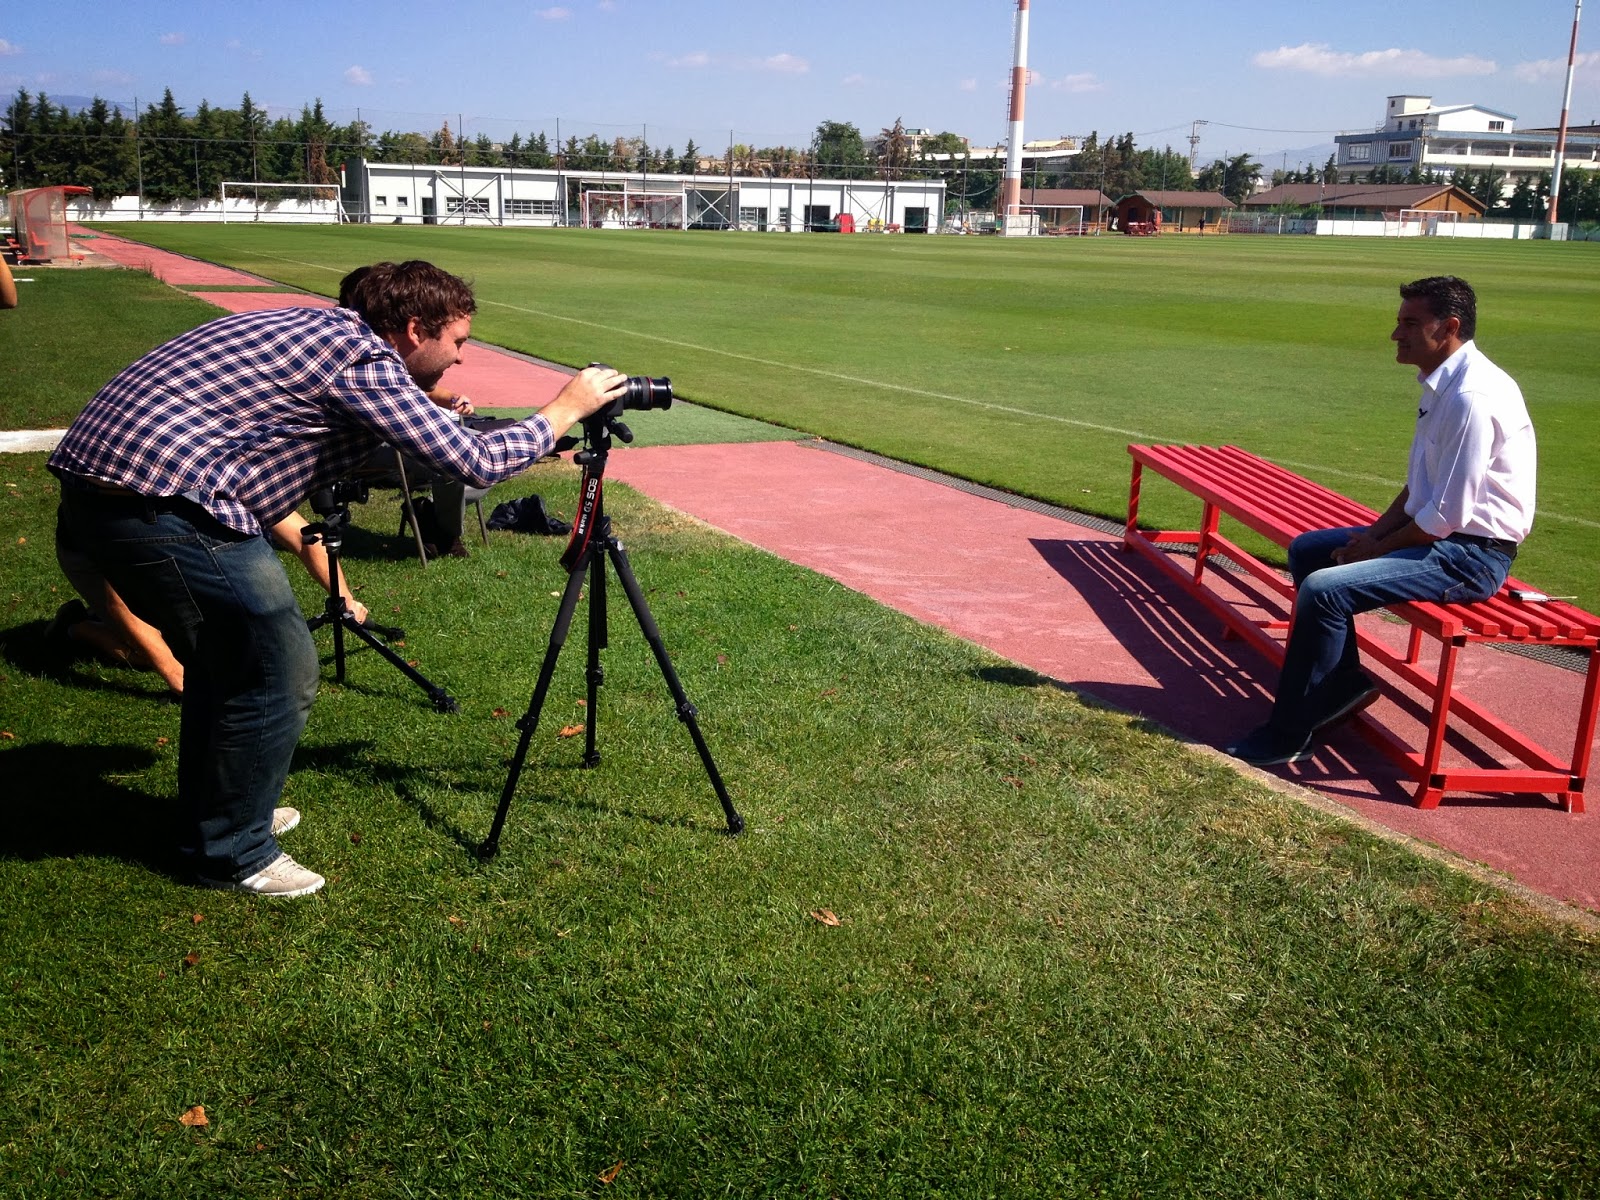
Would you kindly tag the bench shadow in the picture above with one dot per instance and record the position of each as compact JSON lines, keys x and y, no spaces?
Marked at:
{"x":1203,"y":686}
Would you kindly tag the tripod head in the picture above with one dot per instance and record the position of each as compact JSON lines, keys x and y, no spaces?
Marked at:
{"x":332,"y":506}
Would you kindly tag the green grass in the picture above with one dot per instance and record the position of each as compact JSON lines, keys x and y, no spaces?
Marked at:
{"x":73,"y":330}
{"x":1030,"y":365}
{"x":1075,"y":958}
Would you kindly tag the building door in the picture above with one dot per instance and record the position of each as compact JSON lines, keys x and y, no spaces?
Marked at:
{"x":916,"y":220}
{"x":428,"y":217}
{"x":819,"y":218}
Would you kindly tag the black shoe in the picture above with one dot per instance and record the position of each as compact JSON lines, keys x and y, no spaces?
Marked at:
{"x":1342,"y":696}
{"x":1270,"y":746}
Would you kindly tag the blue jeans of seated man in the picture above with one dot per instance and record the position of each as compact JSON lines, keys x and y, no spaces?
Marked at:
{"x":223,"y":603}
{"x":1322,"y":642}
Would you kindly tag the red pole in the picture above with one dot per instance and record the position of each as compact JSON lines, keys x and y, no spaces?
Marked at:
{"x":1566,"y":103}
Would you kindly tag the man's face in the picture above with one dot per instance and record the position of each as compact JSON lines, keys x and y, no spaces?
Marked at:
{"x":1422,"y":339}
{"x":428,"y":358}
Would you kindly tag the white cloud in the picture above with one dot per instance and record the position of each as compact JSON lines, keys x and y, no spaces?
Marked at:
{"x":785,"y":64}
{"x":1541,"y":70}
{"x":9,"y":48}
{"x":1087,"y":82}
{"x":1321,"y":59}
{"x":968,"y":85}
{"x":853,"y":80}
{"x":113,"y":77}
{"x":172,"y":39}
{"x":553,"y":14}
{"x":359,"y":76}
{"x":694,"y":60}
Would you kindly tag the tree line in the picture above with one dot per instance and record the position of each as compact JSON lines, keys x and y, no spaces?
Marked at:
{"x":165,"y":154}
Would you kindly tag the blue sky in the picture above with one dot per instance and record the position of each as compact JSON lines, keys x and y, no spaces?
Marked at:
{"x":1269,"y":77}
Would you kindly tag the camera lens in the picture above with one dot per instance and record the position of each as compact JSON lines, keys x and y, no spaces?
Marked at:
{"x":644,"y":392}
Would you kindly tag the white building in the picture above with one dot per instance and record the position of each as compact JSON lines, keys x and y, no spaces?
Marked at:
{"x":407,"y":193}
{"x":1416,"y":133}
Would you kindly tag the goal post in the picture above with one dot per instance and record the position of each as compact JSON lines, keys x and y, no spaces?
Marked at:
{"x":625,"y":208}
{"x":303,"y":203}
{"x":1420,"y":222}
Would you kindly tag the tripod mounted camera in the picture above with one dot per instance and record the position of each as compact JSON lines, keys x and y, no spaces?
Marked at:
{"x":589,"y":548}
{"x":332,"y":506}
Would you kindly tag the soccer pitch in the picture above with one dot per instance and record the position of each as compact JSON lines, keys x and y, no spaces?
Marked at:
{"x":1028,"y":364}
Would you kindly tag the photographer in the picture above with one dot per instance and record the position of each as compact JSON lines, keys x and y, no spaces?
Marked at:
{"x":171,"y":473}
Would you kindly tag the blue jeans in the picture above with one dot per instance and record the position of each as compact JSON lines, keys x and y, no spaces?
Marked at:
{"x":223,"y":603}
{"x":1322,"y":642}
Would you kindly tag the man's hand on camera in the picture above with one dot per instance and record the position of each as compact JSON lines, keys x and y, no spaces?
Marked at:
{"x":586,"y":393}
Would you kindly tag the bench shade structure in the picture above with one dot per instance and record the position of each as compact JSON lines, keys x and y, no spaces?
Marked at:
{"x":1279,"y":505}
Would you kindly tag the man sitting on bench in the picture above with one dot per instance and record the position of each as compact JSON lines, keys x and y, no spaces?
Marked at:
{"x":1450,"y":534}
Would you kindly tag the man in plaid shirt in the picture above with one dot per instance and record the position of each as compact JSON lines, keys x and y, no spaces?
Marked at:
{"x":173,"y":471}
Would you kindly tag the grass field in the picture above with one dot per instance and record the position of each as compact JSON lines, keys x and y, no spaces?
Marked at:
{"x":1025,"y":364}
{"x":1074,"y":958}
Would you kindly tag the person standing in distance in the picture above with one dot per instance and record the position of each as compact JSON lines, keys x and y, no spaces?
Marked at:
{"x":1450,"y":535}
{"x":172,"y":473}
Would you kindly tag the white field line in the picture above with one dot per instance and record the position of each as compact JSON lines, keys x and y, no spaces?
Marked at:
{"x":911,"y":391}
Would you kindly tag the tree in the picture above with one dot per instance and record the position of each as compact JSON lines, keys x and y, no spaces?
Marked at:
{"x":838,"y":150}
{"x":163,"y":135}
{"x":894,"y":151}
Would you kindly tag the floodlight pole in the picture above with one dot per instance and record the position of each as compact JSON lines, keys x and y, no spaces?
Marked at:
{"x":1566,"y":104}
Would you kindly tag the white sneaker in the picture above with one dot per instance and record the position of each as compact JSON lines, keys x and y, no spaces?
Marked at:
{"x":283,"y":820}
{"x":280,"y":877}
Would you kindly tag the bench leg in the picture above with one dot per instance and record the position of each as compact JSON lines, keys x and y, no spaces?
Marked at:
{"x":1572,"y":801}
{"x":1208,"y":531}
{"x":1131,"y":529}
{"x":1430,"y":785}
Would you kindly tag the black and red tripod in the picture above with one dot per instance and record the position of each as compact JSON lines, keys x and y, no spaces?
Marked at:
{"x":589,"y":548}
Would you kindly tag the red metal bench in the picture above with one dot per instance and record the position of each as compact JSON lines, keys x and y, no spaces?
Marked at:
{"x":1279,"y":505}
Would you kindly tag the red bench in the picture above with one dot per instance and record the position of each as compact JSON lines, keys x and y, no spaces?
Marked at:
{"x":1279,"y":505}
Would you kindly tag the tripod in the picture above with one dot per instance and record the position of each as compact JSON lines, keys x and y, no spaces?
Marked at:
{"x":588,"y":550}
{"x":332,"y":506}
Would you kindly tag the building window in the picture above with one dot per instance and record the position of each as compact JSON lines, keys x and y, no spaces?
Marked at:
{"x":474,"y":206}
{"x":528,"y":208}
{"x":1399,"y":150}
{"x":402,"y":201}
{"x":1358,"y":152}
{"x":1497,"y":126}
{"x":380,"y":201}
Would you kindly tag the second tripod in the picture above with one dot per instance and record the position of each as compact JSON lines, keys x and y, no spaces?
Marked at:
{"x":332,"y":506}
{"x":591,"y":547}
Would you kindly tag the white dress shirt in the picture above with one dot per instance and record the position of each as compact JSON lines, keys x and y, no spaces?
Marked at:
{"x":1473,"y":458}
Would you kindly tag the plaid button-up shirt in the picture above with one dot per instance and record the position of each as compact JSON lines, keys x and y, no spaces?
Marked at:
{"x":250,"y":413}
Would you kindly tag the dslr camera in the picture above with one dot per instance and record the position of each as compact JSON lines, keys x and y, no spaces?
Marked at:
{"x":642,"y":393}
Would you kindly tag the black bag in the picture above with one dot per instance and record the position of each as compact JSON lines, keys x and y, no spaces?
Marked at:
{"x":427,"y":522}
{"x":527,"y":516}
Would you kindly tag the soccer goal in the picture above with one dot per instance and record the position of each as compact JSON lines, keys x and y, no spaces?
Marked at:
{"x":607,"y":208}
{"x":1064,"y":220}
{"x":1019,"y":222}
{"x":306,"y":203}
{"x":1420,"y":222}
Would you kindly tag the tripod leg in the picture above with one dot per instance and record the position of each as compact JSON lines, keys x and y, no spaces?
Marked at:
{"x":598,"y":639}
{"x":686,"y":710}
{"x":530,"y":719}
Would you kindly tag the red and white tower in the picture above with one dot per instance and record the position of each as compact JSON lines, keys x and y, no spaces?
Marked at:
{"x":1011,"y":184}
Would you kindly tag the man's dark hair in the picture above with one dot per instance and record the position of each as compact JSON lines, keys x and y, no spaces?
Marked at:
{"x":389,"y":295}
{"x":1447,"y":296}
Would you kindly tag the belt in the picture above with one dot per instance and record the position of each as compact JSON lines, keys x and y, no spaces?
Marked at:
{"x":1503,"y":545}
